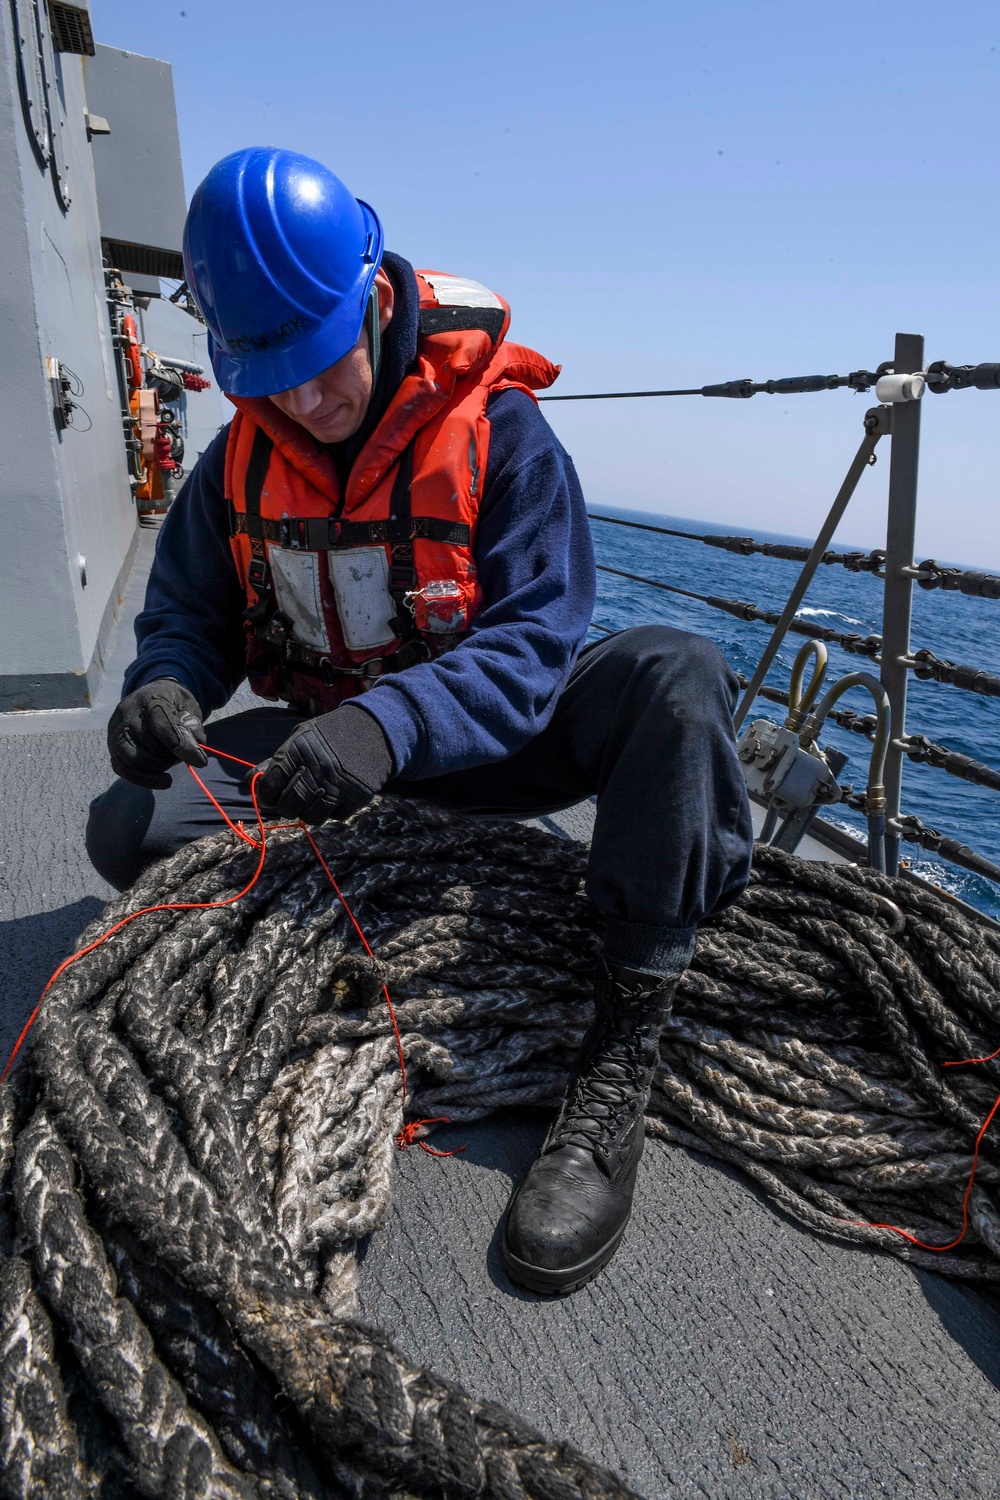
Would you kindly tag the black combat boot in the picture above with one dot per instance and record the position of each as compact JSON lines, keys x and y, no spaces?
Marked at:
{"x":568,"y":1216}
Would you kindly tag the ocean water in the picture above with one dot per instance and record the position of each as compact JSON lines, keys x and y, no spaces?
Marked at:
{"x":951,"y":625}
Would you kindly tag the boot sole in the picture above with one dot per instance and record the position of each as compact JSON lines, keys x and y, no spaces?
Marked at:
{"x":559,"y":1279}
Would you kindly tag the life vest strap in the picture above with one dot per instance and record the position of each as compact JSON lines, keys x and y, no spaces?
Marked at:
{"x":300,"y":658}
{"x":258,"y":573}
{"x":489,"y":320}
{"x":402,"y":573}
{"x":322,"y":534}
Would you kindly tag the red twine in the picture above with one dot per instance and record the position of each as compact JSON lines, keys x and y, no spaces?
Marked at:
{"x":408,"y":1135}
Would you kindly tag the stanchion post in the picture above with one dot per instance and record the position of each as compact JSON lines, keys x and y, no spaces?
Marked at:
{"x":898,"y":599}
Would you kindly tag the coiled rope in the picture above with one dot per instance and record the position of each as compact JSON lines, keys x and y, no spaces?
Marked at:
{"x":204,"y":1129}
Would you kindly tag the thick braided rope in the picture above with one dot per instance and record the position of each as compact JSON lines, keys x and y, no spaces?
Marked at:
{"x":205,"y":1125}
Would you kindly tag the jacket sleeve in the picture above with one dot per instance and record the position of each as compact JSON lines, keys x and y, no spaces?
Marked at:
{"x":495,"y":691}
{"x":191,"y":625}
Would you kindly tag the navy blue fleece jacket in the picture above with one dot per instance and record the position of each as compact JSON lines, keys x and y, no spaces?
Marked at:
{"x":478,"y":703}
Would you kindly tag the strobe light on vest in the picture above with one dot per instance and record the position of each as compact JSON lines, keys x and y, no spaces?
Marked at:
{"x":439,"y":607}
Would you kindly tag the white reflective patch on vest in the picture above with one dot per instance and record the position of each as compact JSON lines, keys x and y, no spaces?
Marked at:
{"x":459,"y":291}
{"x":360,"y":578}
{"x":296,"y":587}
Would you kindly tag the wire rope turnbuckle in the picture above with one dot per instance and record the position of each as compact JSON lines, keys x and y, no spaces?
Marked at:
{"x":942,"y":377}
{"x":909,"y":827}
{"x":748,"y":546}
{"x":890,"y":385}
{"x":928,"y":667}
{"x":933,"y":575}
{"x":918,"y":748}
{"x":794,"y":385}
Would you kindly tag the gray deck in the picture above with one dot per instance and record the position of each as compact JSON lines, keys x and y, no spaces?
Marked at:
{"x":724,"y":1353}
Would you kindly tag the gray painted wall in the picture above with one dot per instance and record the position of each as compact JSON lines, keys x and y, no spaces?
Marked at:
{"x":140,"y":186}
{"x":63,"y":496}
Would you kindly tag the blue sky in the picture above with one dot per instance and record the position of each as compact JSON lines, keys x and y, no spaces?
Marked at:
{"x":667,"y":196}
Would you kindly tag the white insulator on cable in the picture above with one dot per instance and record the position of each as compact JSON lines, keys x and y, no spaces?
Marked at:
{"x":900,"y":388}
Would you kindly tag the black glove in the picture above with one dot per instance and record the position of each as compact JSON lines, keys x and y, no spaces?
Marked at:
{"x":328,"y":767}
{"x":152,"y":729}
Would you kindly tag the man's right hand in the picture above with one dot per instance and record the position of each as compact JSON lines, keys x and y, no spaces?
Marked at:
{"x":152,"y":729}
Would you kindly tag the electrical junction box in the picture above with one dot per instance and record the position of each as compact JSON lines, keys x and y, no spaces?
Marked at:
{"x":777,"y":768}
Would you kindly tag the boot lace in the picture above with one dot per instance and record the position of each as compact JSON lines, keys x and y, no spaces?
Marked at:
{"x":606,"y":1095}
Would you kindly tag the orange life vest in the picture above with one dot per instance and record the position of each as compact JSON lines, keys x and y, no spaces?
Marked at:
{"x":343,"y":586}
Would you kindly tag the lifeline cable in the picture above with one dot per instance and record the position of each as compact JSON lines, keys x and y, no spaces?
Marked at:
{"x":972,"y":582}
{"x":747,"y":546}
{"x":204,"y":1129}
{"x":940,"y":376}
{"x":741,"y":390}
{"x":923,"y":663}
{"x":850,"y":641}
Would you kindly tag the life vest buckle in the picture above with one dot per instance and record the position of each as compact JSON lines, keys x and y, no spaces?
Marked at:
{"x":294,"y":533}
{"x":278,"y":632}
{"x":259,"y":575}
{"x":308,"y":534}
{"x":329,"y":673}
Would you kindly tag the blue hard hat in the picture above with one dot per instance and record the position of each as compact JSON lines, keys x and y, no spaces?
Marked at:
{"x":280,"y":258}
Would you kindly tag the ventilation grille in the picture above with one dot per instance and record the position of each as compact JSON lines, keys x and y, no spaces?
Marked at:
{"x":71,"y":28}
{"x":144,"y":260}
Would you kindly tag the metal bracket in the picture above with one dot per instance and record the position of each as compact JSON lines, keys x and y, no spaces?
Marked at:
{"x":878,"y":419}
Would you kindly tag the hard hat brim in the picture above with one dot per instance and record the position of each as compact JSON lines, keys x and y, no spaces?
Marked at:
{"x":302,"y":358}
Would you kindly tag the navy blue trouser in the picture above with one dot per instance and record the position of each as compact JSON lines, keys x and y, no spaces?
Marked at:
{"x":644,"y":724}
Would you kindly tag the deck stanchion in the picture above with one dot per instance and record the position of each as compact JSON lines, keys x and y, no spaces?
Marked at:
{"x":898,"y":599}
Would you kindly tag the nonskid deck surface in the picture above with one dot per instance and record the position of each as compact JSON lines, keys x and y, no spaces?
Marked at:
{"x":724,"y":1353}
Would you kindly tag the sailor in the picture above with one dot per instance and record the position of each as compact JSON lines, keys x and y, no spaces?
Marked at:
{"x":390,"y":544}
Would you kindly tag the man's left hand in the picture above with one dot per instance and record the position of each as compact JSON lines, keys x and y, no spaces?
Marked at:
{"x":328,"y":767}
